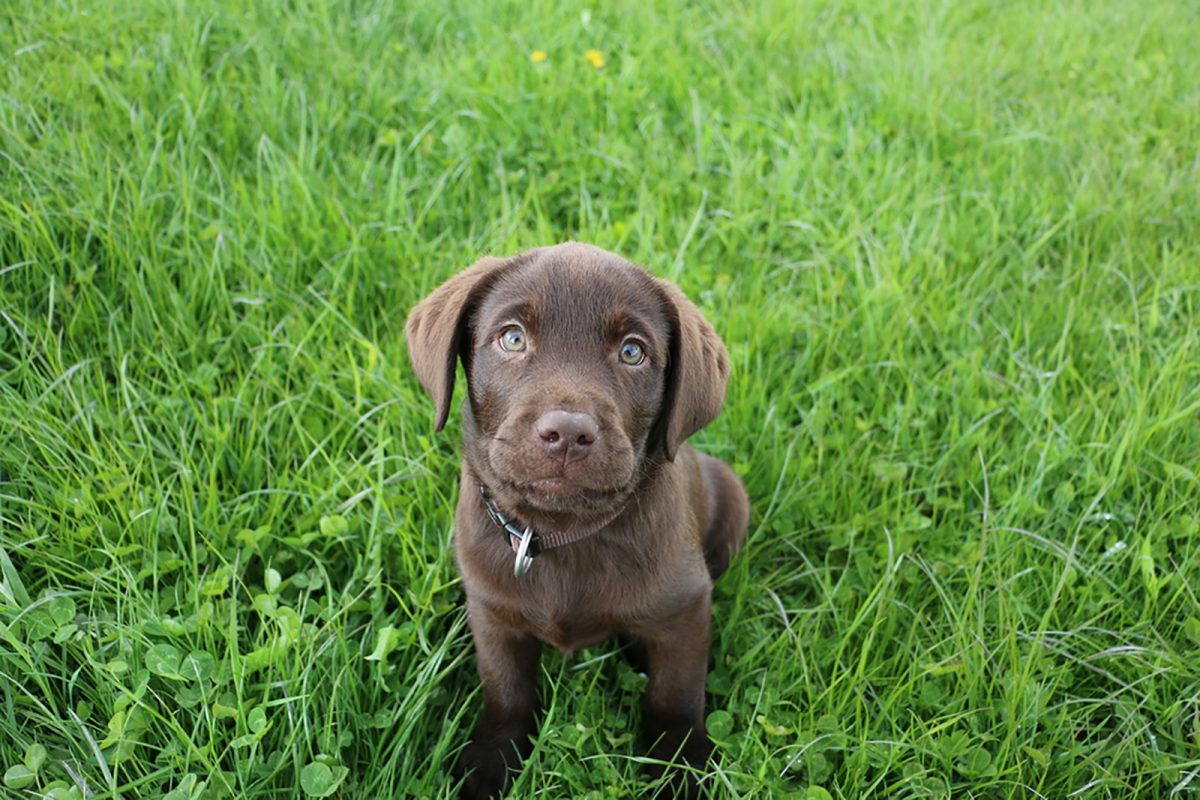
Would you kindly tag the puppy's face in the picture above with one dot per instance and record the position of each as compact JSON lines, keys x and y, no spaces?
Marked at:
{"x":566,"y":376}
{"x":582,"y":369}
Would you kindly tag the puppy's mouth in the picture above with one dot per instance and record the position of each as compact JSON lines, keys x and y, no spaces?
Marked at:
{"x":577,"y":489}
{"x":555,"y":487}
{"x":560,"y":497}
{"x":565,"y":495}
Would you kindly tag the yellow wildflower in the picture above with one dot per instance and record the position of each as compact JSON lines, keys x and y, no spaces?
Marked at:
{"x":538,"y":56}
{"x":595,"y":58}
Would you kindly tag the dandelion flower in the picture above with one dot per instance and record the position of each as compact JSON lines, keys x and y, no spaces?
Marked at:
{"x":538,"y":56}
{"x":595,"y":58}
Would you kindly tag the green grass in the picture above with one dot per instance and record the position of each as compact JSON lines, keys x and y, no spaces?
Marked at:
{"x":952,"y":247}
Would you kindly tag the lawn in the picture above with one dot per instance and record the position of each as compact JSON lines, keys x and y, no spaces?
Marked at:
{"x":954,"y":251}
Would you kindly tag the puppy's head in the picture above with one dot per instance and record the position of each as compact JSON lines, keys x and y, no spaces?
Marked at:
{"x":582,"y":370}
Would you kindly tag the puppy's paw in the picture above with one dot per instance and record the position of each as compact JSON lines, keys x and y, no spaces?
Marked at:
{"x":485,"y":771}
{"x":682,"y":753}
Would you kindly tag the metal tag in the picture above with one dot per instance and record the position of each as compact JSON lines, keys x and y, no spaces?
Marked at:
{"x":524,"y":560}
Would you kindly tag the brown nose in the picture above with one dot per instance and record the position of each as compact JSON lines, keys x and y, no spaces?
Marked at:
{"x":567,"y":432}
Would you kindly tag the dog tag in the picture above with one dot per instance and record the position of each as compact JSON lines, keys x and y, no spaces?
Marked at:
{"x":524,"y":560}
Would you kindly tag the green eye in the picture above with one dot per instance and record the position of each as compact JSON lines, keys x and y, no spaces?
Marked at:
{"x":512,"y":339}
{"x":632,"y":353}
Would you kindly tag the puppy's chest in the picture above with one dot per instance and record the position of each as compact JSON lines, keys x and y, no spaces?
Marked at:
{"x":568,"y":630}
{"x":577,"y":602}
{"x":566,"y":611}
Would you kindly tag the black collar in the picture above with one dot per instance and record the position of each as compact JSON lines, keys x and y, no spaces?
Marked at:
{"x":513,"y":533}
{"x":527,"y":543}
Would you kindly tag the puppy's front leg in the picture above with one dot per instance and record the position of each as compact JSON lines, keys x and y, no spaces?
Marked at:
{"x":508,"y":667}
{"x":677,"y":654}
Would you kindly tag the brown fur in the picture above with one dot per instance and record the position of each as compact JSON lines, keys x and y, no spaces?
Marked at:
{"x":677,"y":516}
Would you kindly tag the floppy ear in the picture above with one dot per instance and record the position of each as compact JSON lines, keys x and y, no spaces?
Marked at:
{"x":436,"y":327}
{"x":696,"y":375}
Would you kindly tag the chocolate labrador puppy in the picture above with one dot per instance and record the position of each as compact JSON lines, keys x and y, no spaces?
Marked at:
{"x":582,"y":514}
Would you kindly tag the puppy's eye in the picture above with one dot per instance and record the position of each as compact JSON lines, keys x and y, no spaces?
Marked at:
{"x":512,"y":339}
{"x":632,"y":353}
